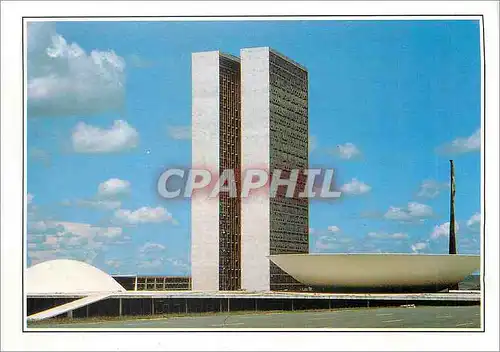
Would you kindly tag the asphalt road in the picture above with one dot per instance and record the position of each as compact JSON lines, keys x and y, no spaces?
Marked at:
{"x":365,"y":318}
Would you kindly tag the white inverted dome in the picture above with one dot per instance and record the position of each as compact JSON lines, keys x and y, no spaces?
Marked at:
{"x":68,"y":277}
{"x":377,"y":270}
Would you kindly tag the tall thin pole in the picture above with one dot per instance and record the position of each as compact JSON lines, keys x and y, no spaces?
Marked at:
{"x":453,"y":239}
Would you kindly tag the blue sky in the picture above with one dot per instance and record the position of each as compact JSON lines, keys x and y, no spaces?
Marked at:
{"x":109,"y":108}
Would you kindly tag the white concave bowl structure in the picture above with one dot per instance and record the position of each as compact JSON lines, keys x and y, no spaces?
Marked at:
{"x":378,"y":272}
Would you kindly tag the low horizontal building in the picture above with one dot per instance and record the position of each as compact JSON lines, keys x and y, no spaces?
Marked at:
{"x":75,"y":289}
{"x":153,"y":283}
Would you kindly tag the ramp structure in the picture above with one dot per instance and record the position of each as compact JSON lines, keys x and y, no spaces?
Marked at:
{"x":68,"y":307}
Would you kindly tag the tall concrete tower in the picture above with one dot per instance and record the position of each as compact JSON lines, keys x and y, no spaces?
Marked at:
{"x":274,"y":127}
{"x":216,"y":131}
{"x":246,"y":116}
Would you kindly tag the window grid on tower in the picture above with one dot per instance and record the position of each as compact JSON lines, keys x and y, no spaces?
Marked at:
{"x":229,"y":159}
{"x":288,"y":101}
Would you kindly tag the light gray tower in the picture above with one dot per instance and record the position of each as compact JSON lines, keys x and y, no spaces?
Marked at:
{"x":274,"y":125}
{"x":215,"y":223}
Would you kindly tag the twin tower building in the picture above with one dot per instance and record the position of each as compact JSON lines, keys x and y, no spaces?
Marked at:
{"x":247,"y":112}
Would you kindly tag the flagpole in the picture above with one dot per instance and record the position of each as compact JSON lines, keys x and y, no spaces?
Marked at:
{"x":453,"y":239}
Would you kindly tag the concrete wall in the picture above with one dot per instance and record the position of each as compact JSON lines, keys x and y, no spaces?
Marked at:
{"x":205,"y":154}
{"x":255,"y":224}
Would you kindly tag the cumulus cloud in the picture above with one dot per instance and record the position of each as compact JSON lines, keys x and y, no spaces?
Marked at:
{"x":328,"y":243}
{"x":346,"y":151}
{"x":113,"y":263}
{"x":63,"y":79}
{"x":107,"y":197}
{"x":418,"y":247}
{"x":474,"y":223}
{"x":462,"y":144}
{"x":152,"y":256}
{"x":49,"y":239}
{"x":151,"y":247}
{"x":63,"y":228}
{"x":414,"y":211}
{"x":113,"y":187}
{"x":333,"y":229}
{"x":96,"y":203}
{"x":151,"y":263}
{"x":144,"y":215}
{"x":179,"y":132}
{"x":395,"y":213}
{"x":90,"y":139}
{"x":330,"y":239}
{"x":418,"y":210}
{"x":83,"y":229}
{"x":355,"y":187}
{"x":431,"y":188}
{"x":469,"y":246}
{"x":383,"y":235}
{"x":443,"y":230}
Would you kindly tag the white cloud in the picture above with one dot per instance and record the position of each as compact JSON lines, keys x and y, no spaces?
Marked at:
{"x":63,"y":228}
{"x":37,"y":226}
{"x":355,"y":187}
{"x":418,"y":210}
{"x":395,"y":213}
{"x":152,"y":255}
{"x":179,"y":132}
{"x":113,"y":263}
{"x":419,"y":246}
{"x":150,"y":263}
{"x":97,"y":203}
{"x":431,"y":188}
{"x":90,"y":139}
{"x":87,"y":230}
{"x":463,"y":144}
{"x":151,"y":247}
{"x":333,"y":229}
{"x":325,"y":241}
{"x":383,"y":235}
{"x":144,"y":215}
{"x":29,"y":198}
{"x":64,"y":80}
{"x":474,"y":223}
{"x":178,"y":263}
{"x":347,"y":151}
{"x":113,"y":187}
{"x":311,"y":231}
{"x":399,"y":235}
{"x":443,"y":230}
{"x":414,"y":211}
{"x":106,"y":198}
{"x":49,"y":239}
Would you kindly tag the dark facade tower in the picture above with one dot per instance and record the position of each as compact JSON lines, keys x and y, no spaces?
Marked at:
{"x":275,"y":136}
{"x":288,"y":123}
{"x":229,"y":159}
